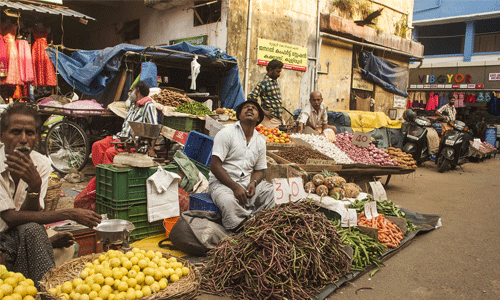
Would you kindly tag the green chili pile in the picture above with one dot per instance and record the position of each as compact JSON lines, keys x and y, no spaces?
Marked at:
{"x":367,"y":250}
{"x":194,"y":108}
{"x":384,"y":207}
{"x":290,"y":251}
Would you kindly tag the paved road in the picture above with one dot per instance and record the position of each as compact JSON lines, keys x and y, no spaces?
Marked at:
{"x":460,"y":260}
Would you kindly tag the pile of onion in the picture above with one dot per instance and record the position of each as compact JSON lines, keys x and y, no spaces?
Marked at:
{"x":370,"y":155}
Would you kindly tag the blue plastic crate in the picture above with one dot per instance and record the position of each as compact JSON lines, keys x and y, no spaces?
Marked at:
{"x":202,"y":201}
{"x":198,"y":147}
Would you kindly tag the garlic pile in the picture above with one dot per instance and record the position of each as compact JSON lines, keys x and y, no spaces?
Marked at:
{"x":323,"y":145}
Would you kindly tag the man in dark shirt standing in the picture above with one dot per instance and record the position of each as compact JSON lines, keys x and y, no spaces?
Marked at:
{"x":269,"y":92}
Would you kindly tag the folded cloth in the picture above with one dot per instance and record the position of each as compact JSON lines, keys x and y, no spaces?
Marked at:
{"x":163,"y":196}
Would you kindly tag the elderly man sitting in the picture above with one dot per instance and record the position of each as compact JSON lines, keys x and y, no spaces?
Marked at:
{"x":24,"y":173}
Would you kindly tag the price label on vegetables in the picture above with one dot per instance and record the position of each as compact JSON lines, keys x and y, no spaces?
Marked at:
{"x":296,"y":188}
{"x":349,"y":218}
{"x":371,"y":210}
{"x":378,"y":190}
{"x":281,"y":190}
{"x":361,"y":139}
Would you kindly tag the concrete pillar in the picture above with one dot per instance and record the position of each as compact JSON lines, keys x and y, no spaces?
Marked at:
{"x":469,"y":41}
{"x":414,"y":34}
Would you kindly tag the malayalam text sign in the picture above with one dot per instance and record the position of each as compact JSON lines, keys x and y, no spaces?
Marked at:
{"x":293,"y":57}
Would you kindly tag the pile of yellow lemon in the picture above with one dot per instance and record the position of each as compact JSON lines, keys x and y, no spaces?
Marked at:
{"x":122,"y":276}
{"x":13,"y":286}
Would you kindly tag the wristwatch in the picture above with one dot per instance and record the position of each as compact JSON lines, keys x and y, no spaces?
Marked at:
{"x":256,"y":183}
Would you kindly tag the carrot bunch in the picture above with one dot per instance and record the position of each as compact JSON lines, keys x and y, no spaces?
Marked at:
{"x":388,"y":233}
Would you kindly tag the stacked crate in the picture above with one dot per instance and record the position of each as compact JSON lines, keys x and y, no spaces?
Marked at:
{"x":122,"y":194}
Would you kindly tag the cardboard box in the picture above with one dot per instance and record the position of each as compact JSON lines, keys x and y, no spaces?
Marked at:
{"x":285,"y":171}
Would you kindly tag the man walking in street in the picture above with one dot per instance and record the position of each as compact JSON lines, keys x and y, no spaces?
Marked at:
{"x":268,"y":91}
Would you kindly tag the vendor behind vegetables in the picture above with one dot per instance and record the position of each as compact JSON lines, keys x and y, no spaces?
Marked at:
{"x":314,"y":115}
{"x":142,"y":110}
{"x":24,"y":174}
{"x":237,"y":169}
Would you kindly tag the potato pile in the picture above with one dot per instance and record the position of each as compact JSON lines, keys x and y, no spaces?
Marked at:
{"x":404,"y":160}
{"x":171,"y":98}
{"x":334,"y":186}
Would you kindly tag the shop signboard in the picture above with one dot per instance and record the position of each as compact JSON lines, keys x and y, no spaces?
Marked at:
{"x":293,"y":57}
{"x":359,"y":83}
{"x":195,"y":40}
{"x":494,"y":76}
{"x":399,"y":102}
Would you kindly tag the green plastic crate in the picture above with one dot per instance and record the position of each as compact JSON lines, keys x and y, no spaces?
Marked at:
{"x":124,"y":186}
{"x":151,"y":229}
{"x":185,"y":124}
{"x":134,"y":213}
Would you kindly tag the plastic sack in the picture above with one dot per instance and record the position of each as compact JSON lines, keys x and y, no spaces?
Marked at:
{"x":149,"y":74}
{"x":86,"y":198}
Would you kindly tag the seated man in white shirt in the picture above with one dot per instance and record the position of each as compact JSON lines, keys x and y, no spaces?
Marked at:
{"x":237,"y":169}
{"x":24,"y":173}
{"x":314,"y":115}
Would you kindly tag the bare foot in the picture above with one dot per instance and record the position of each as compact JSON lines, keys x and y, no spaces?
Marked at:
{"x":62,"y":240}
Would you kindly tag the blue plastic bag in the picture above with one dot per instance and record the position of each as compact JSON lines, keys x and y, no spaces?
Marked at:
{"x":149,"y":74}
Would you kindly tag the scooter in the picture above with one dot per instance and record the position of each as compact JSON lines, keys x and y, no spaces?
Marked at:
{"x":415,"y":137}
{"x":454,"y":148}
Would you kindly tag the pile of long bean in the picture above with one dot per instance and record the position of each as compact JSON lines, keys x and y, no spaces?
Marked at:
{"x":384,"y":207}
{"x":366,"y":250}
{"x":288,"y":252}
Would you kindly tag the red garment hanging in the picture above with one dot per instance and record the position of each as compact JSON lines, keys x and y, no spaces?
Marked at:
{"x":45,"y":75}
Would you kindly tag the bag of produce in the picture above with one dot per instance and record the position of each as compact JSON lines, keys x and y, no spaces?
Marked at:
{"x":196,"y":232}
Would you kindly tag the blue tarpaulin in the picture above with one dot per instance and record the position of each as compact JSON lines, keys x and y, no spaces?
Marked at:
{"x":90,"y":71}
{"x":391,"y":77}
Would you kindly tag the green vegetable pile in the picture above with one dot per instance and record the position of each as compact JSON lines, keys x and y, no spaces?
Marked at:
{"x":366,"y":250}
{"x":384,"y":207}
{"x":194,"y":108}
{"x":288,"y":252}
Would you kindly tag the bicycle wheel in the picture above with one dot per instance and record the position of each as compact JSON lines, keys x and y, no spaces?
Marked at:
{"x":67,"y":146}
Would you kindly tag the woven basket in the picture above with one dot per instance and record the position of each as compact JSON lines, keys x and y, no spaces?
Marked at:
{"x":53,"y":194}
{"x":186,"y":288}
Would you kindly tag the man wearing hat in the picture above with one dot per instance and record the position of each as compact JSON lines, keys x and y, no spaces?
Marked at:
{"x":237,"y":169}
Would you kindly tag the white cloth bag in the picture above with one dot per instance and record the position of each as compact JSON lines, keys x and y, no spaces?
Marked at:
{"x":163,"y":195}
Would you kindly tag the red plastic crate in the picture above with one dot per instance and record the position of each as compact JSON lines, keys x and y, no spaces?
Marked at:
{"x":87,"y":242}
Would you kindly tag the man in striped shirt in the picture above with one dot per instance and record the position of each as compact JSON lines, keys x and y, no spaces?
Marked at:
{"x":269,"y":92}
{"x":142,"y":110}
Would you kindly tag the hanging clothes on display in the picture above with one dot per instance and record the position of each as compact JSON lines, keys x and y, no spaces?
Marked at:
{"x":487,"y":97}
{"x":433,"y":102}
{"x":25,"y":61}
{"x":443,"y":99}
{"x":13,"y":75}
{"x":4,"y":59}
{"x":409,"y":101}
{"x":45,"y":74}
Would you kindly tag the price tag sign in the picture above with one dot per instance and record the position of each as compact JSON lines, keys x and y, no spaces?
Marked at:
{"x":281,"y":190}
{"x":371,"y":210}
{"x":361,"y":139}
{"x":296,"y":188}
{"x":349,"y":218}
{"x":378,"y":191}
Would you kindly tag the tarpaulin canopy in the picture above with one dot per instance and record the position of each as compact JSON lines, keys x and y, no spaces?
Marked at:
{"x":44,"y":9}
{"x":90,"y":71}
{"x":391,"y":77}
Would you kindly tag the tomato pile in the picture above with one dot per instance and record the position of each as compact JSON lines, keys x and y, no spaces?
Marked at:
{"x":273,"y":135}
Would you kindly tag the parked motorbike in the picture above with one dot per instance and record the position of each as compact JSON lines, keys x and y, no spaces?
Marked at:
{"x":415,"y":136}
{"x":454,"y":148}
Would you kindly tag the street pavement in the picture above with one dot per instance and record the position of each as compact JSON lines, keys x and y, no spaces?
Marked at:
{"x":459,"y":260}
